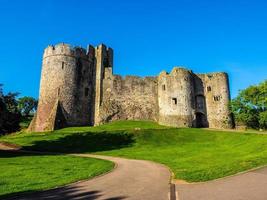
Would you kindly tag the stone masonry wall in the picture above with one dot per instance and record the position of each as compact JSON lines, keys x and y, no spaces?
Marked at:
{"x":66,"y":81}
{"x":104,"y":62}
{"x":129,"y":98}
{"x":176,"y":98}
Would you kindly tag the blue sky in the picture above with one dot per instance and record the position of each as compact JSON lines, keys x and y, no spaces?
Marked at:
{"x":147,"y":36}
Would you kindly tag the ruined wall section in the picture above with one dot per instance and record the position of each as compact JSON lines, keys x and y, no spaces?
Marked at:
{"x":104,"y":66}
{"x":217,"y":97}
{"x":66,"y":80}
{"x":176,"y":98}
{"x":129,"y":98}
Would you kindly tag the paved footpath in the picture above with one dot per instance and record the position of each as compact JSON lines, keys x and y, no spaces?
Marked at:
{"x":247,"y":186}
{"x":145,"y":180}
{"x":130,"y":180}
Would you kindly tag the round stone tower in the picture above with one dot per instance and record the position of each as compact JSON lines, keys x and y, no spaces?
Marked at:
{"x":176,"y":98}
{"x":218,"y":99}
{"x":66,"y":88}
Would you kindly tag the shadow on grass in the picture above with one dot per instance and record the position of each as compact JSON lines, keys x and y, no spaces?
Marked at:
{"x":63,"y":193}
{"x":86,"y":142}
{"x":11,"y":154}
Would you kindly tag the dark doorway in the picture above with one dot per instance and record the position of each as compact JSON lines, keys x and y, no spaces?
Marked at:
{"x":201,"y":120}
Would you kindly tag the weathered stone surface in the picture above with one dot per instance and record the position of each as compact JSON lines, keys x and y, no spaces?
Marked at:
{"x":66,"y":78}
{"x":131,"y":97}
{"x":79,"y":88}
{"x":176,"y":98}
{"x":217,"y":98}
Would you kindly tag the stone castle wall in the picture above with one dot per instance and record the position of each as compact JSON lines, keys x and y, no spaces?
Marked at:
{"x":79,"y":88}
{"x":129,"y":98}
{"x":104,"y":62}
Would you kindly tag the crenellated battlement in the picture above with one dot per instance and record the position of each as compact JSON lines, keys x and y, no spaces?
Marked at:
{"x":104,"y":47}
{"x":213,"y":75}
{"x":66,"y":50}
{"x":106,"y":53}
{"x":163,"y":73}
{"x":178,"y":70}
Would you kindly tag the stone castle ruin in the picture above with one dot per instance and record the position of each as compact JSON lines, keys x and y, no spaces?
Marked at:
{"x":78,"y":88}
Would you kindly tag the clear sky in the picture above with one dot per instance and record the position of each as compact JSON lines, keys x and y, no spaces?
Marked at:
{"x":147,"y":36}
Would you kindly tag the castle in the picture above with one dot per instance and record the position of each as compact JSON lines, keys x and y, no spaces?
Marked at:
{"x":78,"y":88}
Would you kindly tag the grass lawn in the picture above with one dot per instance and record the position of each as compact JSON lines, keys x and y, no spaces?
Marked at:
{"x":192,"y":154}
{"x":30,"y":172}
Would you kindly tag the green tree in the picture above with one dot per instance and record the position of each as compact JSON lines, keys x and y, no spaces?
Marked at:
{"x":11,"y":102}
{"x":2,"y":104}
{"x":250,"y":106}
{"x":263,"y":119}
{"x":1,"y":89}
{"x":27,"y":105}
{"x":9,"y":115}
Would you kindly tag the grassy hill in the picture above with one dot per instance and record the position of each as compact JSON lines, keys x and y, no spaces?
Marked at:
{"x":192,"y":154}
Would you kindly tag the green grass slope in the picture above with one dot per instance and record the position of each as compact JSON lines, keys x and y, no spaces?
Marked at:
{"x":21,"y":172}
{"x":192,"y":154}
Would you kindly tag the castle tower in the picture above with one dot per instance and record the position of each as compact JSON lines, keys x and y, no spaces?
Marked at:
{"x":217,"y":97}
{"x":104,"y":66}
{"x":66,"y":88}
{"x":176,"y":98}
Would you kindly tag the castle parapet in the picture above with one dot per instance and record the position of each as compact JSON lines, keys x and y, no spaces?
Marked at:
{"x":163,"y":73}
{"x":66,"y":50}
{"x":213,"y":75}
{"x":180,"y":70}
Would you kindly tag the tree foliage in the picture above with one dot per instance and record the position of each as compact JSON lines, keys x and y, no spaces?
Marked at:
{"x":12,"y":109}
{"x":27,"y":105}
{"x":11,"y":102}
{"x":9,"y":114}
{"x":2,"y":104}
{"x":250,"y":106}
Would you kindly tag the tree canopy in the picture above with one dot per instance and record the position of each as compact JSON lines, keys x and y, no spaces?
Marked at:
{"x":12,"y":109}
{"x":250,"y":106}
{"x":26,"y":105}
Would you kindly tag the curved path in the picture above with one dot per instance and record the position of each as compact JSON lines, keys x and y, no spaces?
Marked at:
{"x":130,"y":180}
{"x":250,"y":185}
